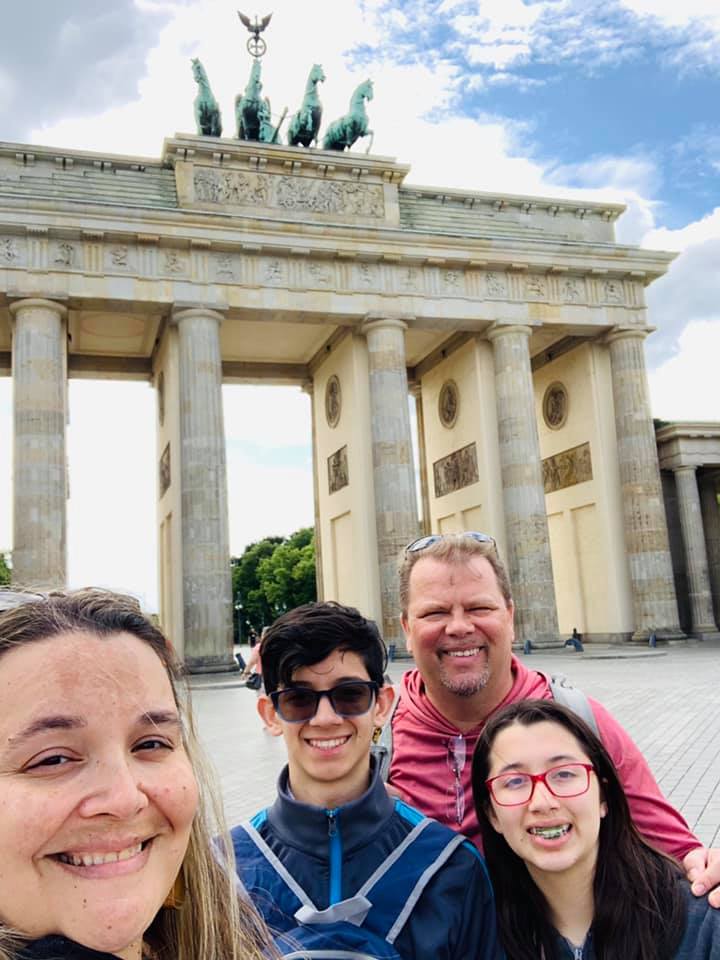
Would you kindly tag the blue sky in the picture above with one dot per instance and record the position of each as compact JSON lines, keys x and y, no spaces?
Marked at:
{"x":614,"y":100}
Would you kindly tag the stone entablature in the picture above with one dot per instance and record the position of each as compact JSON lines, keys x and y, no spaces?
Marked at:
{"x":150,"y":257}
{"x":688,"y":444}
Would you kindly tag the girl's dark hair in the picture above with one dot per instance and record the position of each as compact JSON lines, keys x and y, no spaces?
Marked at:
{"x":308,"y":634}
{"x":640,"y":911}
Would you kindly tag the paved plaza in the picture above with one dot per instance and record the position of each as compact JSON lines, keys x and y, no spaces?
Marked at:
{"x":669,"y":701}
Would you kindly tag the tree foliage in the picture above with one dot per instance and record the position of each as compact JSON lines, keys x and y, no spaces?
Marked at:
{"x":272,"y":576}
{"x":4,"y":571}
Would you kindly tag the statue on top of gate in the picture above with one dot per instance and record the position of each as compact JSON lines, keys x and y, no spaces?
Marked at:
{"x":207,"y":111}
{"x":252,"y":110}
{"x":305,"y":124}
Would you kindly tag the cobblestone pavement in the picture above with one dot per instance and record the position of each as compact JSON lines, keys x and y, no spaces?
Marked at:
{"x":668,"y":700}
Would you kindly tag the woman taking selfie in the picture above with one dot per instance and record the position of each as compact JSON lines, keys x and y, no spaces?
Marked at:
{"x":573,"y":878}
{"x":105,"y":846}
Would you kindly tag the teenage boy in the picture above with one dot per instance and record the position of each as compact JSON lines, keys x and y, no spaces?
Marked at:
{"x":335,"y":863}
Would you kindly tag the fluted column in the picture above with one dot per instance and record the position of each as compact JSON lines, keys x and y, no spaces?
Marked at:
{"x":39,"y":369}
{"x":696,"y":561}
{"x":711,"y":520}
{"x":646,"y":536}
{"x":308,"y":387}
{"x":207,"y":590}
{"x":396,"y":514}
{"x":526,"y":523}
{"x":416,"y":391}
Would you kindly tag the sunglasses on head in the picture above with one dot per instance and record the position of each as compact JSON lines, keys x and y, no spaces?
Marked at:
{"x":352,"y":698}
{"x":422,"y":543}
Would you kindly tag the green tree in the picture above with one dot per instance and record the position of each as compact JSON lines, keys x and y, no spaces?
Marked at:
{"x":287,"y":576}
{"x":273,"y":575}
{"x":4,"y":571}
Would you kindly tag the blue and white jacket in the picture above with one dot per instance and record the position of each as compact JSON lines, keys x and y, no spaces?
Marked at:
{"x":331,"y":853}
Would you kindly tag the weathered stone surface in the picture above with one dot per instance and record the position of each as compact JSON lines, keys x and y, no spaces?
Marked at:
{"x":207,"y":594}
{"x":396,"y":513}
{"x":524,"y":499}
{"x":646,"y":537}
{"x":696,"y":559}
{"x":39,"y":345}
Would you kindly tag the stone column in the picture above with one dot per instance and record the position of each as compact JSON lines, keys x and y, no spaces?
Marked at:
{"x":308,"y":387}
{"x":696,"y":561}
{"x":416,"y":391}
{"x":396,"y":515}
{"x":711,"y":519}
{"x":39,"y":370}
{"x":526,"y":525}
{"x":646,"y":536}
{"x":207,"y":590}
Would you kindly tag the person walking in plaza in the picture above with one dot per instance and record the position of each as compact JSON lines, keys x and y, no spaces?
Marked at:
{"x":574,"y":878}
{"x":106,"y":816}
{"x":335,"y":863}
{"x":457,"y":616}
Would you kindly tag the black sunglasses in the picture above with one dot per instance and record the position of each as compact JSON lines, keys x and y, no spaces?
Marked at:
{"x":352,"y":698}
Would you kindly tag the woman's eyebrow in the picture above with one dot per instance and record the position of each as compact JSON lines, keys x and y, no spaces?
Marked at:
{"x":550,"y":761}
{"x":52,"y":722}
{"x":159,"y":718}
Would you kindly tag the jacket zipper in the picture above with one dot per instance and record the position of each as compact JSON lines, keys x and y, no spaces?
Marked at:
{"x":335,"y":841}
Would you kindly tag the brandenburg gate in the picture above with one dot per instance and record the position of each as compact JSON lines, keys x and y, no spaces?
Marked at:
{"x":517,"y":324}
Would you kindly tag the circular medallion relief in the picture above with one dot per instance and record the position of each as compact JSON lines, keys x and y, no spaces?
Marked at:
{"x":448,"y":403}
{"x":555,"y":406}
{"x":333,"y":401}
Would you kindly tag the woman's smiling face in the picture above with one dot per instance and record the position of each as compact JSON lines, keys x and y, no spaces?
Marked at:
{"x":97,"y":795}
{"x":551,"y":834}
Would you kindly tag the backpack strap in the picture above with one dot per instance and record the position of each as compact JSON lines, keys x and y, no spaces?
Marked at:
{"x":572,"y":698}
{"x":398,"y":883}
{"x":286,"y":892}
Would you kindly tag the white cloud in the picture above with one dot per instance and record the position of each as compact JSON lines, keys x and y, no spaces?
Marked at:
{"x":684,"y":387}
{"x":677,"y":14}
{"x":663,"y":238}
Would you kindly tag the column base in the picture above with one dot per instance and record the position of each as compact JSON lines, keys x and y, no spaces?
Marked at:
{"x":539,"y":643}
{"x":225,"y":663}
{"x":705,"y":633}
{"x":662,"y":635}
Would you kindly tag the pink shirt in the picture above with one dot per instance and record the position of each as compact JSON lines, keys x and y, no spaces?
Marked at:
{"x":420,"y":763}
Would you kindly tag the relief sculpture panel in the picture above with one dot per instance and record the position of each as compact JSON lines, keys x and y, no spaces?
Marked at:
{"x":567,"y":468}
{"x":338,"y":473}
{"x":289,"y":193}
{"x":457,"y":470}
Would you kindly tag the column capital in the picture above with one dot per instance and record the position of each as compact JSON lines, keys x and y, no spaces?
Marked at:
{"x":308,"y":386}
{"x":29,"y":302}
{"x":496,"y":330}
{"x":684,"y":468}
{"x":628,"y":333}
{"x":184,"y":311}
{"x":374,"y":321}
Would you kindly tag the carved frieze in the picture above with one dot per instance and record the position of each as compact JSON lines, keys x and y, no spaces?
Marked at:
{"x":611,"y":291}
{"x":567,"y":468}
{"x":457,"y":470}
{"x":572,"y":290}
{"x":164,"y":471}
{"x":496,"y":285}
{"x":12,"y":252}
{"x":338,"y":474}
{"x":339,"y":197}
{"x":535,"y":288}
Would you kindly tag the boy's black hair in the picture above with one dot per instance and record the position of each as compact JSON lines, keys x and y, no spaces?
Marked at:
{"x":308,"y":634}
